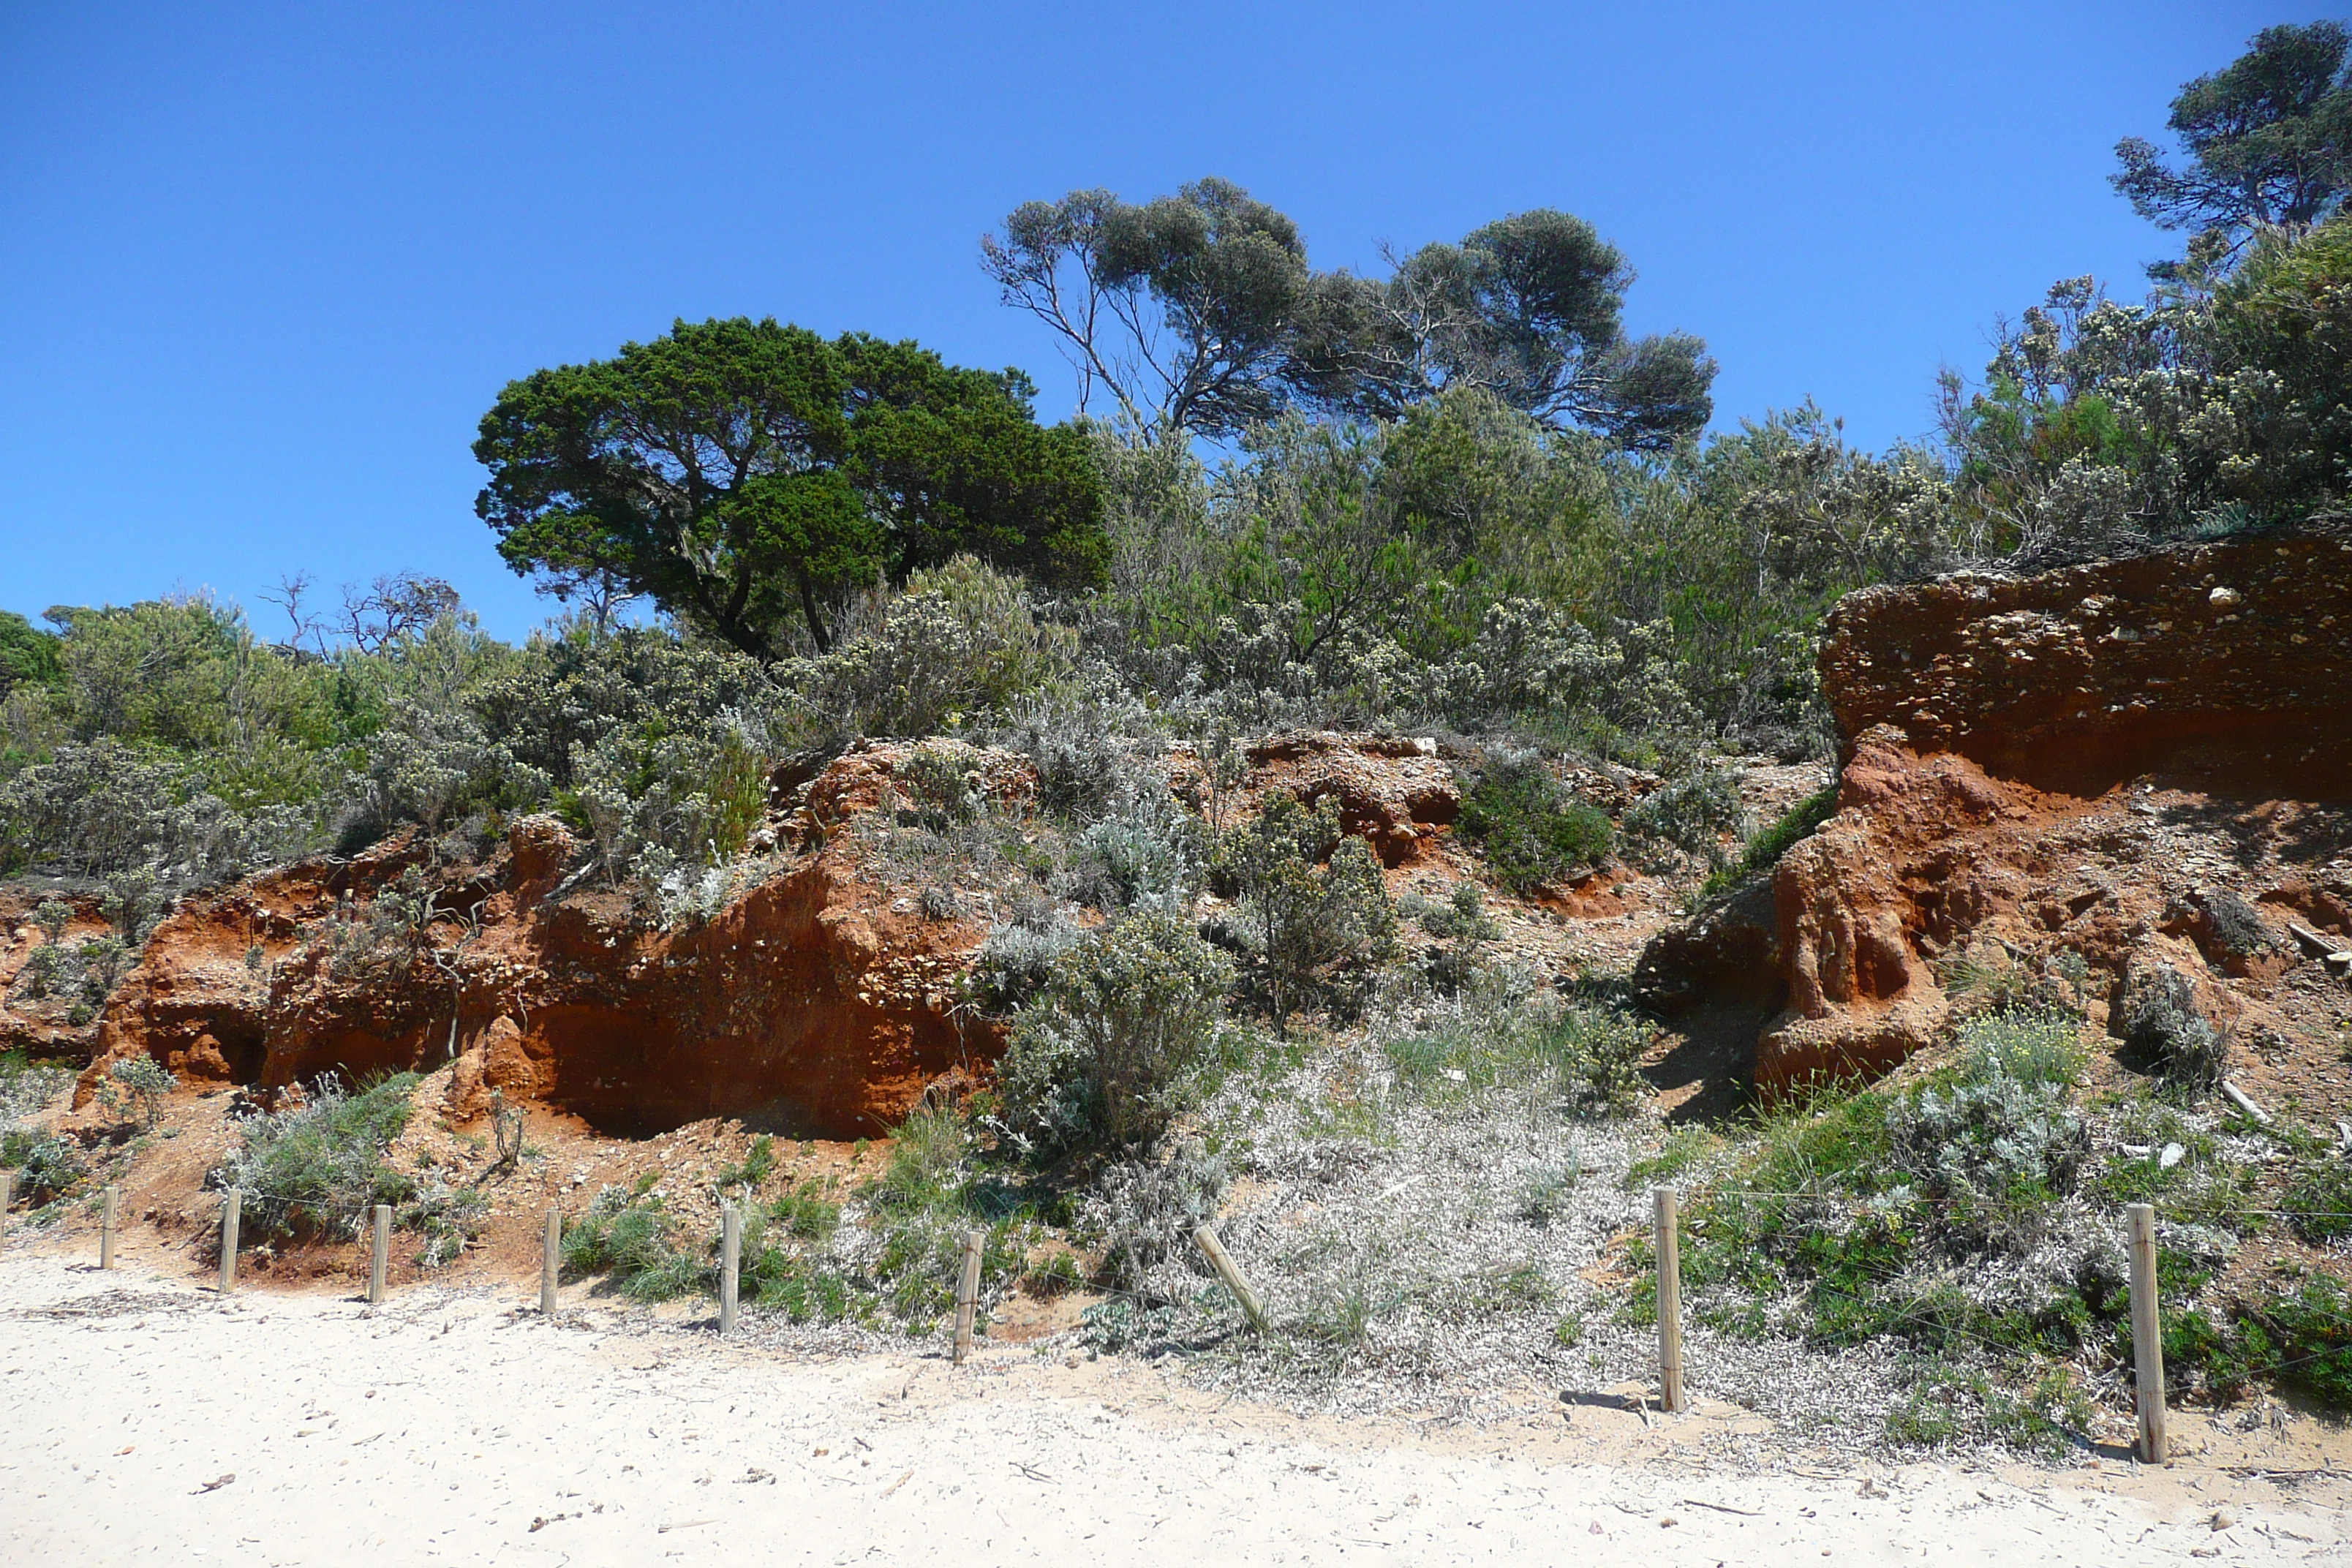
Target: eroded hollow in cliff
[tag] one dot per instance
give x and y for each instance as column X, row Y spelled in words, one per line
column 830, row 1072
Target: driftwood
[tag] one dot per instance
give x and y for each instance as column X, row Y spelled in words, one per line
column 2237, row 1097
column 2319, row 944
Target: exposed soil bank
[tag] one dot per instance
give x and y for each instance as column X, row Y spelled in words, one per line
column 2117, row 767
column 2219, row 667
column 815, row 1001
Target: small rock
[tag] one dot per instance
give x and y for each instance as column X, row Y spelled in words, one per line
column 2225, row 598
column 2173, row 1154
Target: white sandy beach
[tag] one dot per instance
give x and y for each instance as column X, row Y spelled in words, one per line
column 148, row 1422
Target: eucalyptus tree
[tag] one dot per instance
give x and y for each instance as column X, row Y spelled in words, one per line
column 1200, row 314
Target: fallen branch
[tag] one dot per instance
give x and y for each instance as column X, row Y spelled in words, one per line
column 2237, row 1097
column 2315, row 945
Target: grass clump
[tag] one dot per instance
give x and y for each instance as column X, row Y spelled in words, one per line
column 1685, row 1149
column 757, row 1164
column 1530, row 830
column 930, row 1195
column 629, row 1235
column 1584, row 1057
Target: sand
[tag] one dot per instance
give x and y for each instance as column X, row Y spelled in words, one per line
column 147, row 1421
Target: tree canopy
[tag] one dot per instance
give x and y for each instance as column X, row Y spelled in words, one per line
column 2268, row 141
column 1529, row 309
column 28, row 654
column 746, row 475
column 1182, row 309
column 1199, row 312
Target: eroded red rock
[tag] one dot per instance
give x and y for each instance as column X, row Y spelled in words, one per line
column 2083, row 765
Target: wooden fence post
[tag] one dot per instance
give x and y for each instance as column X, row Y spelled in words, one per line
column 731, row 1263
column 1228, row 1271
column 551, row 1259
column 106, row 1229
column 968, row 1291
column 379, row 1255
column 1670, row 1303
column 7, row 1193
column 231, row 1207
column 2147, row 1334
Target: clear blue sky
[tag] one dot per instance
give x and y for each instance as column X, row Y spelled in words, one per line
column 263, row 267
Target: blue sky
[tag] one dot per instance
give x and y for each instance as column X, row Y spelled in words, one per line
column 262, row 269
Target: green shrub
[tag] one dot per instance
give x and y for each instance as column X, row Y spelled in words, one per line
column 1692, row 814
column 318, row 1167
column 2320, row 1200
column 26, row 1085
column 2159, row 1019
column 1991, row 1148
column 1464, row 928
column 136, row 1084
column 962, row 641
column 2311, row 1331
column 2046, row 1415
column 1016, row 961
column 804, row 1290
column 2039, row 1049
column 1141, row 1211
column 941, row 786
column 1597, row 1054
column 1105, row 1058
column 1307, row 932
column 46, row 1166
column 1528, row 828
column 1145, row 851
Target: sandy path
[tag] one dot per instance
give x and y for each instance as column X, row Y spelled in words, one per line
column 454, row 1429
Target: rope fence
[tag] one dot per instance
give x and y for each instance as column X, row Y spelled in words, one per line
column 1668, row 1222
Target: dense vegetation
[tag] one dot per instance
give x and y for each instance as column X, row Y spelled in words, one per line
column 1457, row 499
